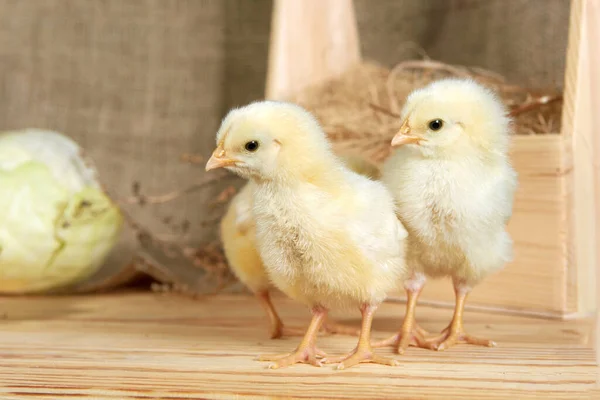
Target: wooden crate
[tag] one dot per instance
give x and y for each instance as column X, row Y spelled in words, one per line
column 557, row 211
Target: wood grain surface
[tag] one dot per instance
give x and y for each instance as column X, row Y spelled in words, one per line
column 144, row 345
column 300, row 56
column 582, row 152
column 582, row 136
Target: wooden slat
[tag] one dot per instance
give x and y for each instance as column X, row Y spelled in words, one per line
column 311, row 41
column 581, row 122
column 125, row 346
column 535, row 281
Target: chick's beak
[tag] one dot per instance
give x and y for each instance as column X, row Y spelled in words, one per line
column 219, row 160
column 404, row 137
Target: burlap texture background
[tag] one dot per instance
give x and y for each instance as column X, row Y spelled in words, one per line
column 139, row 82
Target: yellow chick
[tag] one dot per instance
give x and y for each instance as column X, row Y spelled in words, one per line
column 328, row 236
column 239, row 244
column 454, row 185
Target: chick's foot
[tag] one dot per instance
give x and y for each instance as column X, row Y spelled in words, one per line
column 411, row 336
column 455, row 333
column 363, row 353
column 453, row 336
column 360, row 355
column 303, row 355
column 307, row 352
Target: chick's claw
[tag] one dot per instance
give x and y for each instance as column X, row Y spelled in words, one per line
column 402, row 340
column 454, row 333
column 417, row 338
column 360, row 356
column 410, row 335
column 452, row 338
column 307, row 355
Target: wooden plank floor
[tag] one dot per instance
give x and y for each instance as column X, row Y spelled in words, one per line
column 146, row 345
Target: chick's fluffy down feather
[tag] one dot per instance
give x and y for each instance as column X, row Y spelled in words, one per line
column 238, row 230
column 335, row 248
column 455, row 213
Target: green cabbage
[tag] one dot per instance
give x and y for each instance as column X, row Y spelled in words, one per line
column 57, row 226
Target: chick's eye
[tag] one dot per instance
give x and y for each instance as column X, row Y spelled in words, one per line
column 436, row 124
column 251, row 145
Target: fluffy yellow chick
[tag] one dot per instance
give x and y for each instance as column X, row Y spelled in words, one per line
column 453, row 184
column 239, row 243
column 328, row 236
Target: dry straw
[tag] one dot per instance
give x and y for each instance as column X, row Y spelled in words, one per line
column 360, row 110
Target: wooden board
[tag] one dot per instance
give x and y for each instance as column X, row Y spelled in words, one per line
column 144, row 345
column 311, row 41
column 581, row 122
column 535, row 282
column 581, row 129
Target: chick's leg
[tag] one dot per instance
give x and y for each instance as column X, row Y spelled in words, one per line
column 277, row 329
column 363, row 353
column 410, row 333
column 306, row 352
column 455, row 333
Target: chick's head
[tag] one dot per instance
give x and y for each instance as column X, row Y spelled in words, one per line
column 451, row 116
column 268, row 140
